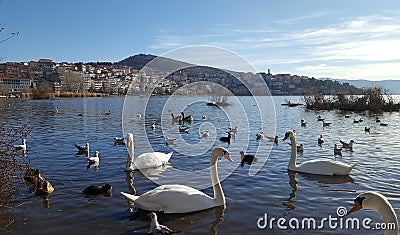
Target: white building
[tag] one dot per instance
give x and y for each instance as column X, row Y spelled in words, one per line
column 14, row 84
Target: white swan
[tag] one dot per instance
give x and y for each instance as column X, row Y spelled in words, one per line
column 145, row 160
column 378, row 202
column 183, row 199
column 317, row 166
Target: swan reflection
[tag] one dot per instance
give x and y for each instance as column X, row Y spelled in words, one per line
column 129, row 182
column 151, row 173
column 322, row 179
column 200, row 220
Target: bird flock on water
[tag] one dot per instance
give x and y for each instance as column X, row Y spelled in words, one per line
column 184, row 199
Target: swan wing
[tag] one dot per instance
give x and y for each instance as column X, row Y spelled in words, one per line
column 325, row 167
column 173, row 199
column 150, row 160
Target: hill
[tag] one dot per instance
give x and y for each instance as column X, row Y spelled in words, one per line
column 137, row 61
column 390, row 86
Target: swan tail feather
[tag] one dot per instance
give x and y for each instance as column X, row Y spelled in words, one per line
column 131, row 198
column 169, row 156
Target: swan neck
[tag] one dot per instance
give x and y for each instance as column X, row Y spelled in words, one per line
column 131, row 151
column 293, row 155
column 219, row 196
column 388, row 216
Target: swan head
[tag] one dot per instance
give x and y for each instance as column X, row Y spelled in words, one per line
column 221, row 152
column 288, row 134
column 368, row 200
column 129, row 137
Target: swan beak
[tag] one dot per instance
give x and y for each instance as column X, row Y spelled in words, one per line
column 356, row 207
column 228, row 157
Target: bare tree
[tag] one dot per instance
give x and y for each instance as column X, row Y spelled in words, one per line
column 71, row 81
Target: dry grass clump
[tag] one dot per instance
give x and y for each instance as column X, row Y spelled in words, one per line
column 372, row 99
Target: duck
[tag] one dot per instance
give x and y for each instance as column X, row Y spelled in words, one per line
column 176, row 119
column 43, row 187
column 95, row 158
column 320, row 118
column 205, row 134
column 299, row 148
column 33, row 175
column 153, row 126
column 156, row 228
column 273, row 139
column 260, row 135
column 326, row 123
column 316, row 166
column 303, row 122
column 204, row 117
column 246, row 158
column 183, row 129
column 98, row 189
column 180, row 198
column 233, row 130
column 226, row 139
column 169, row 141
column 108, row 112
column 145, row 160
column 186, row 118
column 367, row 129
column 82, row 149
column 21, row 146
column 119, row 141
column 320, row 140
column 383, row 124
column 377, row 119
column 377, row 202
column 347, row 145
column 337, row 151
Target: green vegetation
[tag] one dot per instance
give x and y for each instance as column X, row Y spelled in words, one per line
column 372, row 99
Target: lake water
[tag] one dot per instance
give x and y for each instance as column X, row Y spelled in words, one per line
column 266, row 187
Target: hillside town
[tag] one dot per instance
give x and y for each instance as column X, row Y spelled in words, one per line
column 116, row 79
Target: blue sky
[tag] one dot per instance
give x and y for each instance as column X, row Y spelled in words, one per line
column 340, row 39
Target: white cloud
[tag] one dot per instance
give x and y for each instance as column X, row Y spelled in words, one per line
column 357, row 47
